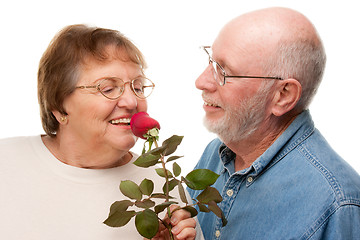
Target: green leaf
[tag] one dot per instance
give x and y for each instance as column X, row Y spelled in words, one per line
column 176, row 169
column 147, row 223
column 203, row 208
column 215, row 209
column 170, row 145
column 224, row 220
column 199, row 179
column 161, row 207
column 119, row 218
column 158, row 195
column 130, row 189
column 120, row 206
column 209, row 194
column 172, row 184
column 146, row 203
column 147, row 160
column 185, row 181
column 182, row 193
column 147, row 187
column 157, row 151
column 161, row 172
column 172, row 158
column 191, row 210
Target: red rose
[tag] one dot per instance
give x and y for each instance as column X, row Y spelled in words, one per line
column 141, row 123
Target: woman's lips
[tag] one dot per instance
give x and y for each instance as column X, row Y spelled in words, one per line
column 120, row 121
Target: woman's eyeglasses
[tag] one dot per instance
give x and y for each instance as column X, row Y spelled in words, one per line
column 113, row 87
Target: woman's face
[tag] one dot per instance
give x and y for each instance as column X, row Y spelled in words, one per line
column 96, row 123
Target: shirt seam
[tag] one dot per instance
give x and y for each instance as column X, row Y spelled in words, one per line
column 327, row 174
column 333, row 208
column 293, row 146
column 285, row 152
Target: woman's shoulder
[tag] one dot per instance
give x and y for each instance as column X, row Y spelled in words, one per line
column 18, row 143
column 6, row 142
column 17, row 140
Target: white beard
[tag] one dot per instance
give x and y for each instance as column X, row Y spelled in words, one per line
column 242, row 121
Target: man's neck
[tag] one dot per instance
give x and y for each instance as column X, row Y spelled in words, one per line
column 249, row 149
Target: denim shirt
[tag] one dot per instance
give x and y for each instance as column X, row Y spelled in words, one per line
column 299, row 188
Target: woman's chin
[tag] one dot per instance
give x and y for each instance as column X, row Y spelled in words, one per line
column 124, row 141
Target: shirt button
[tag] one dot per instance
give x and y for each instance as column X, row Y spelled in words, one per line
column 217, row 233
column 230, row 192
column 250, row 179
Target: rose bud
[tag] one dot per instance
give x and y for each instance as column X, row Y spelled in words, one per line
column 141, row 123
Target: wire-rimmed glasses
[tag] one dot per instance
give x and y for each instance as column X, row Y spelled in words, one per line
column 113, row 87
column 220, row 74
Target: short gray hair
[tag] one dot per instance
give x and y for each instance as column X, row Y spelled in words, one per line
column 303, row 60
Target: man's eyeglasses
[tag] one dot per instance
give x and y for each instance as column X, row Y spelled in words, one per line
column 220, row 74
column 113, row 88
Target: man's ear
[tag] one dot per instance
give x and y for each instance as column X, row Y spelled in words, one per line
column 286, row 96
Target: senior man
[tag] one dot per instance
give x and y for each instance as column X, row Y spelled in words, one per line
column 279, row 178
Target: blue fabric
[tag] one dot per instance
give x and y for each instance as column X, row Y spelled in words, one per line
column 299, row 188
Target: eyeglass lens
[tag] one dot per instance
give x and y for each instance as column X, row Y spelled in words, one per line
column 218, row 72
column 113, row 88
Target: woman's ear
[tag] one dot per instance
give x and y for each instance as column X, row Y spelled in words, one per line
column 61, row 118
column 286, row 96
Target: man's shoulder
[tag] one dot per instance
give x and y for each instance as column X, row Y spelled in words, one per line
column 340, row 178
column 332, row 186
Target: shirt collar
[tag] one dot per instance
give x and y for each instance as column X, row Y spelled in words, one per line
column 300, row 129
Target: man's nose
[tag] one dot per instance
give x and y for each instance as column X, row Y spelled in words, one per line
column 206, row 80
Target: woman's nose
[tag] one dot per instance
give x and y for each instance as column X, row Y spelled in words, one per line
column 128, row 99
column 206, row 80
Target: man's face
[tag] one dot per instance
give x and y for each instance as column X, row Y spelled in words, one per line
column 234, row 111
column 240, row 116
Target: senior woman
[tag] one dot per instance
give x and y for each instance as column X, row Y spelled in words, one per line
column 61, row 185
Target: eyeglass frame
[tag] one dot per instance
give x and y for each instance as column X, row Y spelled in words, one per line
column 222, row 83
column 97, row 87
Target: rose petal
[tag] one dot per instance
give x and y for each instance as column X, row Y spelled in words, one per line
column 141, row 123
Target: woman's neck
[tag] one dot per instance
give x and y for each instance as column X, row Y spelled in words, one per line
column 74, row 154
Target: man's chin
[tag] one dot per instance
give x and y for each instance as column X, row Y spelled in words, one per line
column 226, row 131
column 214, row 126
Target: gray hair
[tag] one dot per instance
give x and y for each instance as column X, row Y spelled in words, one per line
column 303, row 60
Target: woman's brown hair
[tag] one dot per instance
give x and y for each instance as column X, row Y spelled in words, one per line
column 60, row 65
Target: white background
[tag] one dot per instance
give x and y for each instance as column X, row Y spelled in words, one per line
column 169, row 34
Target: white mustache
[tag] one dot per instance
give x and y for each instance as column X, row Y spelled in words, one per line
column 210, row 101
